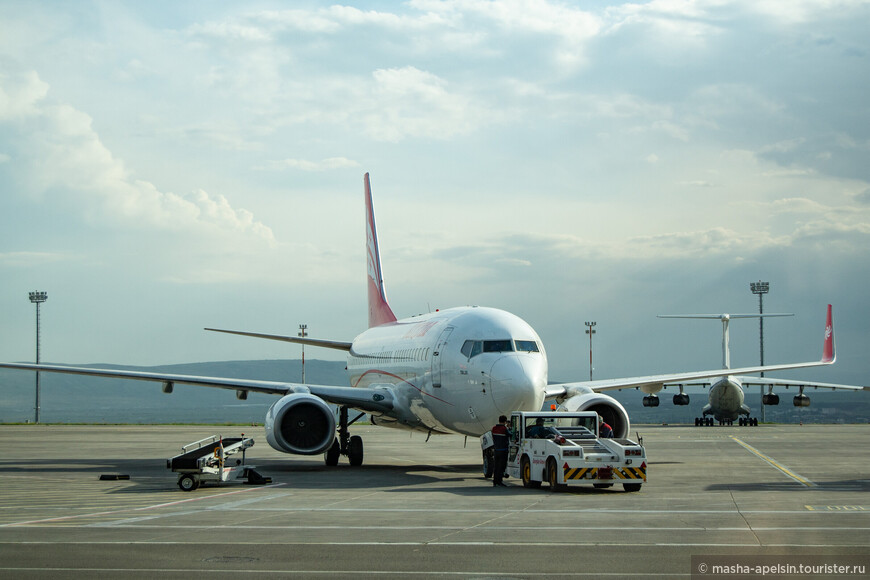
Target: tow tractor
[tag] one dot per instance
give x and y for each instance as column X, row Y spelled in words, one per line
column 206, row 461
column 563, row 448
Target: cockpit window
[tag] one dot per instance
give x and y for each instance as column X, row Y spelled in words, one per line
column 498, row 345
column 472, row 348
column 527, row 346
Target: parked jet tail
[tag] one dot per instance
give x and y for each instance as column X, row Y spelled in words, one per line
column 829, row 354
column 379, row 310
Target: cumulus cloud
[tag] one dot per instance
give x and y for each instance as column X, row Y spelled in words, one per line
column 62, row 155
column 306, row 165
column 411, row 102
column 20, row 95
column 30, row 259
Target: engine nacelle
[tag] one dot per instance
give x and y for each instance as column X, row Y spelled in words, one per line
column 770, row 399
column 801, row 400
column 612, row 410
column 300, row 423
column 651, row 401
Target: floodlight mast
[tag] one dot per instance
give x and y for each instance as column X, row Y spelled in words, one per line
column 37, row 298
column 303, row 334
column 760, row 288
column 590, row 330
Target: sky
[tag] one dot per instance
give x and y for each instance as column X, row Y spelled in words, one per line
column 170, row 166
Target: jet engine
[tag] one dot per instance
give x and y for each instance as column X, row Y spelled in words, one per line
column 801, row 400
column 615, row 415
column 770, row 399
column 681, row 399
column 300, row 423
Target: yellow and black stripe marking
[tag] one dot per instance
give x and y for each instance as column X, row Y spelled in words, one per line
column 615, row 473
column 630, row 473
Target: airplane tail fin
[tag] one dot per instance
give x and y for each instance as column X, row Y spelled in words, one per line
column 379, row 310
column 829, row 354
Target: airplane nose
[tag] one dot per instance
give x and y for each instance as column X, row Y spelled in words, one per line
column 517, row 384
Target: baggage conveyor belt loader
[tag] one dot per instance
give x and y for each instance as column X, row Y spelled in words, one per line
column 207, row 460
column 563, row 448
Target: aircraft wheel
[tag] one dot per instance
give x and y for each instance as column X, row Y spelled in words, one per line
column 332, row 455
column 488, row 463
column 526, row 471
column 355, row 450
column 631, row 486
column 553, row 475
column 188, row 482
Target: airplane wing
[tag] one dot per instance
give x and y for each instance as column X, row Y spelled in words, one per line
column 338, row 345
column 828, row 357
column 370, row 400
column 697, row 377
column 769, row 381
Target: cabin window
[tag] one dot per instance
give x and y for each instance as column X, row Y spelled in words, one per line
column 527, row 346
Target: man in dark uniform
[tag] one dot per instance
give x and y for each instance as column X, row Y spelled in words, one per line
column 604, row 430
column 501, row 441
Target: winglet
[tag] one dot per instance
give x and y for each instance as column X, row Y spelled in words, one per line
column 379, row 310
column 829, row 354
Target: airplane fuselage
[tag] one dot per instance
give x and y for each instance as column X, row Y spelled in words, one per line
column 454, row 370
column 726, row 400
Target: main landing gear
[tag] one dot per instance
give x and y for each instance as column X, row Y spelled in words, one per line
column 344, row 444
column 742, row 421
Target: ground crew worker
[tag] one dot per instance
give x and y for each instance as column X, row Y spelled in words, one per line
column 605, row 431
column 501, row 441
column 539, row 431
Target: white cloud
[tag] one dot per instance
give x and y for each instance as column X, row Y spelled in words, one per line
column 30, row 259
column 65, row 156
column 408, row 102
column 305, row 165
column 20, row 95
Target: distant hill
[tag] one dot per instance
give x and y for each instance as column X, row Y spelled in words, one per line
column 826, row 406
column 76, row 399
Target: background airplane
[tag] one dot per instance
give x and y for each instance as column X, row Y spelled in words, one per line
column 448, row 371
column 726, row 398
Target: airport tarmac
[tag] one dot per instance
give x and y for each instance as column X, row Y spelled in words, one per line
column 421, row 509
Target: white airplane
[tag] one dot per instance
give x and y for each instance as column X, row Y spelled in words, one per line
column 449, row 371
column 726, row 399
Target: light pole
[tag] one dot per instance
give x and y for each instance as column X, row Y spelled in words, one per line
column 303, row 334
column 760, row 288
column 37, row 298
column 590, row 330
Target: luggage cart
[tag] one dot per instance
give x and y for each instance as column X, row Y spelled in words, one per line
column 206, row 460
